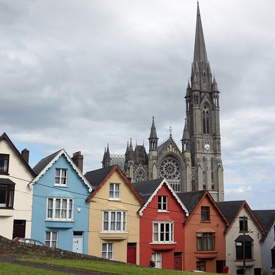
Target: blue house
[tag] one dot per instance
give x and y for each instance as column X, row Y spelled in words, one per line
column 60, row 214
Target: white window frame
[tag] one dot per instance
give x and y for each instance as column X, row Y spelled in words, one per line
column 157, row 259
column 114, row 191
column 114, row 221
column 108, row 251
column 51, row 242
column 60, row 209
column 162, row 203
column 59, row 178
column 160, row 231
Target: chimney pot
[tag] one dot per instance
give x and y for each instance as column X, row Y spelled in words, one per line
column 78, row 160
column 25, row 154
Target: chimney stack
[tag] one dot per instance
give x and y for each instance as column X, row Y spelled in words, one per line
column 78, row 160
column 25, row 154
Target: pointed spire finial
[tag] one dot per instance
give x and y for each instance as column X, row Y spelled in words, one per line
column 153, row 133
column 200, row 48
column 170, row 131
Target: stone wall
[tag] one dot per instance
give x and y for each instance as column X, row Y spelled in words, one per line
column 8, row 247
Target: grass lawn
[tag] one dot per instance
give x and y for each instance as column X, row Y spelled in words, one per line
column 108, row 267
column 10, row 269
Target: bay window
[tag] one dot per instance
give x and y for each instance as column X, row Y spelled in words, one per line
column 163, row 232
column 60, row 209
column 114, row 221
column 205, row 241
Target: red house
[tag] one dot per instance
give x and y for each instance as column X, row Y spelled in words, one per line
column 204, row 233
column 162, row 233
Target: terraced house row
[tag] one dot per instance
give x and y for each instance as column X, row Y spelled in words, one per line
column 102, row 214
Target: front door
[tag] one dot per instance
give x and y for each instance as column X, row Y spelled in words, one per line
column 219, row 265
column 131, row 253
column 177, row 261
column 19, row 228
column 78, row 242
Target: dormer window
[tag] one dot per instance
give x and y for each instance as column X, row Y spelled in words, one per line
column 114, row 193
column 60, row 177
column 243, row 224
column 205, row 213
column 4, row 164
column 162, row 203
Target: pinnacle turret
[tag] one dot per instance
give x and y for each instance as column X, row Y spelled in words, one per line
column 153, row 139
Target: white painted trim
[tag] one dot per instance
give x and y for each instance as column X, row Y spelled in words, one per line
column 156, row 191
column 62, row 152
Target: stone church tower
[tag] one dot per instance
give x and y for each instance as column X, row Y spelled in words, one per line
column 198, row 165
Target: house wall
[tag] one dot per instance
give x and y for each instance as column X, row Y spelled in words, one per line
column 233, row 234
column 150, row 214
column 267, row 245
column 75, row 189
column 193, row 226
column 21, row 176
column 128, row 202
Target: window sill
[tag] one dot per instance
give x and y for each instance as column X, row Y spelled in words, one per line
column 114, row 199
column 163, row 211
column 163, row 246
column 205, row 221
column 207, row 254
column 116, row 236
column 4, row 173
column 61, row 185
column 248, row 262
column 59, row 224
column 6, row 212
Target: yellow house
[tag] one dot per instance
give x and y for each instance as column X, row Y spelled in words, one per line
column 113, row 217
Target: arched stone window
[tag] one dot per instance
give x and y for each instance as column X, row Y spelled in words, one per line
column 204, row 173
column 206, row 120
column 212, row 173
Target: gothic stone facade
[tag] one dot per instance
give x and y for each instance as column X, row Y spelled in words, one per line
column 198, row 165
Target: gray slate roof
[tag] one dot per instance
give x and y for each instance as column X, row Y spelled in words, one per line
column 230, row 209
column 266, row 218
column 44, row 162
column 96, row 177
column 146, row 188
column 191, row 199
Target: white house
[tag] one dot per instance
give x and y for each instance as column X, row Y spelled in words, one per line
column 15, row 193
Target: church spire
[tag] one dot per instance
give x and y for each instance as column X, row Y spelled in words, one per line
column 200, row 49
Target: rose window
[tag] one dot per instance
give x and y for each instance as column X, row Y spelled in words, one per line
column 170, row 170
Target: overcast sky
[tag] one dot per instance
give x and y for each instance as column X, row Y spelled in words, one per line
column 80, row 74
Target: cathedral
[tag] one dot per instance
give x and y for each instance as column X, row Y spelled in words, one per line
column 198, row 164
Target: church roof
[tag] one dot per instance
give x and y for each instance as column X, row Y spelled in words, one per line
column 140, row 155
column 166, row 143
column 200, row 54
